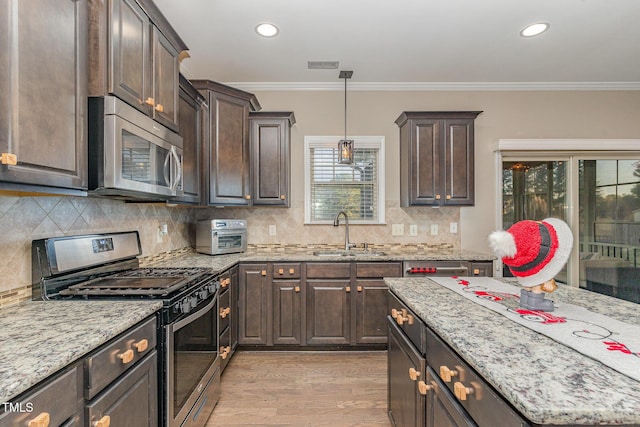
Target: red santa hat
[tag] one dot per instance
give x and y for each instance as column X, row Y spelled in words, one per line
column 534, row 251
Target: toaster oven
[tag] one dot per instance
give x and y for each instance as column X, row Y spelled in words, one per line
column 221, row 236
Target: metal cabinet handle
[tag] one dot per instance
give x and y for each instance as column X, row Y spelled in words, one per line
column 291, row 271
column 225, row 282
column 224, row 351
column 149, row 101
column 359, row 288
column 437, row 197
column 348, row 289
column 248, row 196
column 282, row 197
column 281, row 271
column 42, row 420
column 263, row 272
column 448, row 196
column 103, row 422
column 423, row 387
column 224, row 312
column 126, row 357
column 462, row 391
column 297, row 288
column 141, row 345
column 159, row 108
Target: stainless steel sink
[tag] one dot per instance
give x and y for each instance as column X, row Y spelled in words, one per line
column 331, row 253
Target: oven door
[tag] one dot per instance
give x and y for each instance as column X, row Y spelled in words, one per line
column 229, row 241
column 192, row 363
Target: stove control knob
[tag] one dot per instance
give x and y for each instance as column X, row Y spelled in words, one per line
column 194, row 300
column 203, row 293
column 185, row 306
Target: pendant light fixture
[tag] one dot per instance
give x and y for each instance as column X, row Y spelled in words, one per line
column 345, row 146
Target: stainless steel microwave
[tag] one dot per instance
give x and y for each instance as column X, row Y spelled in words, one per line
column 130, row 154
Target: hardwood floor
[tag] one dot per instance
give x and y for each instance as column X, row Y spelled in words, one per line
column 303, row 389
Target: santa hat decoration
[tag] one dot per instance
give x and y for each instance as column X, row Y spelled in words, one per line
column 534, row 251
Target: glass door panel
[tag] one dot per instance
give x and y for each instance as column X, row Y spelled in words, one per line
column 609, row 227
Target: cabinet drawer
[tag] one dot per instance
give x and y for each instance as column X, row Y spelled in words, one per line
column 225, row 281
column 410, row 324
column 286, row 271
column 378, row 269
column 482, row 403
column 107, row 364
column 224, row 310
column 329, row 270
column 56, row 400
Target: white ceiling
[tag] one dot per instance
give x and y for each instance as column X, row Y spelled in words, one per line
column 593, row 44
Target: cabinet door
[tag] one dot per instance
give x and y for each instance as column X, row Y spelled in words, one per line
column 328, row 312
column 270, row 161
column 371, row 311
column 132, row 400
column 425, row 171
column 228, row 162
column 253, row 304
column 458, row 162
column 405, row 403
column 482, row 268
column 190, row 120
column 165, row 81
column 43, row 109
column 442, row 409
column 129, row 55
column 287, row 312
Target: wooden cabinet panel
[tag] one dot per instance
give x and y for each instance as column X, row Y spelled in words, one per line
column 378, row 269
column 270, row 137
column 405, row 404
column 370, row 312
column 442, row 410
column 44, row 110
column 328, row 311
column 437, row 158
column 253, row 304
column 329, row 270
column 192, row 108
column 287, row 312
column 165, row 80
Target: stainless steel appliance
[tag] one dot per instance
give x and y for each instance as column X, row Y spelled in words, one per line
column 221, row 236
column 436, row 268
column 130, row 154
column 105, row 266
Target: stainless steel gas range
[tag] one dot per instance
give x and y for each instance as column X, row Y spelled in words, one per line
column 105, row 266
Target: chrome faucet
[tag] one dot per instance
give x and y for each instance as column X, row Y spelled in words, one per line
column 336, row 222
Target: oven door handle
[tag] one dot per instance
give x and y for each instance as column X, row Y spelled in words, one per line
column 184, row 322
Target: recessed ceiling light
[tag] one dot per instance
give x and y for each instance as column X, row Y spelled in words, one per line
column 534, row 29
column 267, row 30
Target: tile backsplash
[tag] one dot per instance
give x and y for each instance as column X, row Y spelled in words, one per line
column 23, row 219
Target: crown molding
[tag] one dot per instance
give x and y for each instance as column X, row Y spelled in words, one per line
column 437, row 86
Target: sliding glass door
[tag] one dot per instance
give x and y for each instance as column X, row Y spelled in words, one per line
column 598, row 195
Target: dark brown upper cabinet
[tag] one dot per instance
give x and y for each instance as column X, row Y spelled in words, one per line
column 193, row 112
column 133, row 54
column 270, row 136
column 43, row 113
column 226, row 148
column 437, row 158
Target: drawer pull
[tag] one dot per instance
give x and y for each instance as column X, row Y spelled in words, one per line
column 476, row 271
column 225, row 282
column 42, row 420
column 297, row 288
column 8, row 159
column 413, row 374
column 281, row 271
column 224, row 352
column 282, row 197
column 291, row 271
column 348, row 288
column 359, row 288
column 141, row 345
column 394, row 313
column 149, row 101
column 224, row 312
column 461, row 391
column 263, row 272
column 159, row 108
column 423, row 387
column 126, row 357
column 103, row 422
column 446, row 374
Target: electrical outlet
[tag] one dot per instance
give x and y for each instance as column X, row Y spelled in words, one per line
column 413, row 230
column 434, row 229
column 453, row 227
column 272, row 230
column 397, row 230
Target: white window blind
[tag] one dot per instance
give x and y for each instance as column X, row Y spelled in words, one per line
column 331, row 187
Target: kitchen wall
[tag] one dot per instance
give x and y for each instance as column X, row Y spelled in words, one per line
column 506, row 114
column 23, row 219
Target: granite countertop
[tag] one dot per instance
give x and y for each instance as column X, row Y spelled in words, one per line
column 220, row 263
column 546, row 381
column 41, row 337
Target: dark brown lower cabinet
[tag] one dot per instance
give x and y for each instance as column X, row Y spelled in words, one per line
column 328, row 312
column 371, row 299
column 132, row 399
column 406, row 367
column 442, row 409
column 287, row 312
column 253, row 304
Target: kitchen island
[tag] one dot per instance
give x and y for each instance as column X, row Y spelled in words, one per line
column 545, row 381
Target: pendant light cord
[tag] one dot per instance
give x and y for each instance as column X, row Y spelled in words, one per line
column 345, row 108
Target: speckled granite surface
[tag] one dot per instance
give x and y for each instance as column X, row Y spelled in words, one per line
column 39, row 338
column 546, row 381
column 296, row 254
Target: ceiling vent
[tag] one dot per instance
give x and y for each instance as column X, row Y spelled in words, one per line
column 322, row 65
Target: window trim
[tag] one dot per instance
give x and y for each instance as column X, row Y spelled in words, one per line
column 376, row 142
